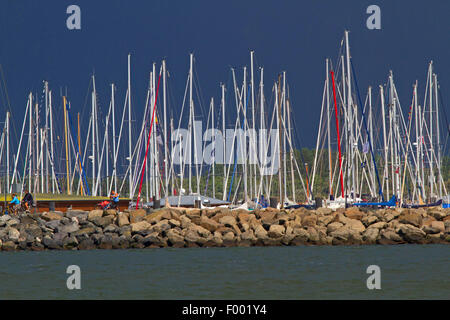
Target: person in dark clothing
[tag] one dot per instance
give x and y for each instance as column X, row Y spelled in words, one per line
column 27, row 200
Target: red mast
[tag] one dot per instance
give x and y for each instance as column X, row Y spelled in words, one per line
column 338, row 135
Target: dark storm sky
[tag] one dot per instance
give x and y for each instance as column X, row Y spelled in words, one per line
column 295, row 36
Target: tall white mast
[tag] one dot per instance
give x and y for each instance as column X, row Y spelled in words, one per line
column 330, row 187
column 245, row 144
column 166, row 145
column 262, row 141
column 284, row 136
column 113, row 136
column 430, row 74
column 350, row 114
column 93, row 135
column 7, row 151
column 214, row 148
column 191, row 121
column 253, row 149
column 224, row 144
column 30, row 142
column 386, row 167
column 438, row 143
column 129, row 126
column 51, row 141
column 46, row 135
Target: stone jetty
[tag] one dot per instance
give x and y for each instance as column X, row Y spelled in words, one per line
column 221, row 227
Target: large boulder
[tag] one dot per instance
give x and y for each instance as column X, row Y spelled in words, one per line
column 4, row 219
column 79, row 214
column 227, row 221
column 86, row 244
column 268, row 218
column 68, row 228
column 369, row 219
column 276, row 231
column 301, row 236
column 95, row 214
column 138, row 215
column 209, row 224
column 324, row 211
column 140, row 226
column 438, row 225
column 248, row 237
column 33, row 230
column 325, row 220
column 9, row 246
column 175, row 239
column 202, row 232
column 260, row 232
column 378, row 225
column 371, row 235
column 411, row 233
column 103, row 221
column 309, row 221
column 355, row 225
column 343, row 233
column 191, row 236
column 84, row 231
column 411, row 217
column 122, row 219
column 354, row 213
column 70, row 242
column 52, row 215
column 13, row 234
column 391, row 236
column 437, row 214
column 334, row 226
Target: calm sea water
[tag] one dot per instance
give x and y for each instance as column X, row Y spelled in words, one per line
column 407, row 272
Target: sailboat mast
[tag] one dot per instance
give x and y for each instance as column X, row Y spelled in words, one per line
column 129, row 126
column 330, row 187
column 113, row 135
column 166, row 145
column 279, row 142
column 67, row 146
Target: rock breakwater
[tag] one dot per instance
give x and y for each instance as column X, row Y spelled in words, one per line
column 221, row 227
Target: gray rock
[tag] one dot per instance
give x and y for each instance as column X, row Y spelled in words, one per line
column 86, row 244
column 111, row 228
column 53, row 224
column 106, row 242
column 70, row 242
column 12, row 222
column 411, row 233
column 371, row 235
column 51, row 243
column 103, row 221
column 13, row 234
column 68, row 228
column 4, row 219
column 34, row 230
column 9, row 246
column 80, row 215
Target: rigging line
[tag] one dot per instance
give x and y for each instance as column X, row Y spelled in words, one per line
column 148, row 140
column 79, row 156
column 445, row 113
column 367, row 131
column 235, row 153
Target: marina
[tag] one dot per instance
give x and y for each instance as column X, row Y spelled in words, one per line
column 241, row 150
